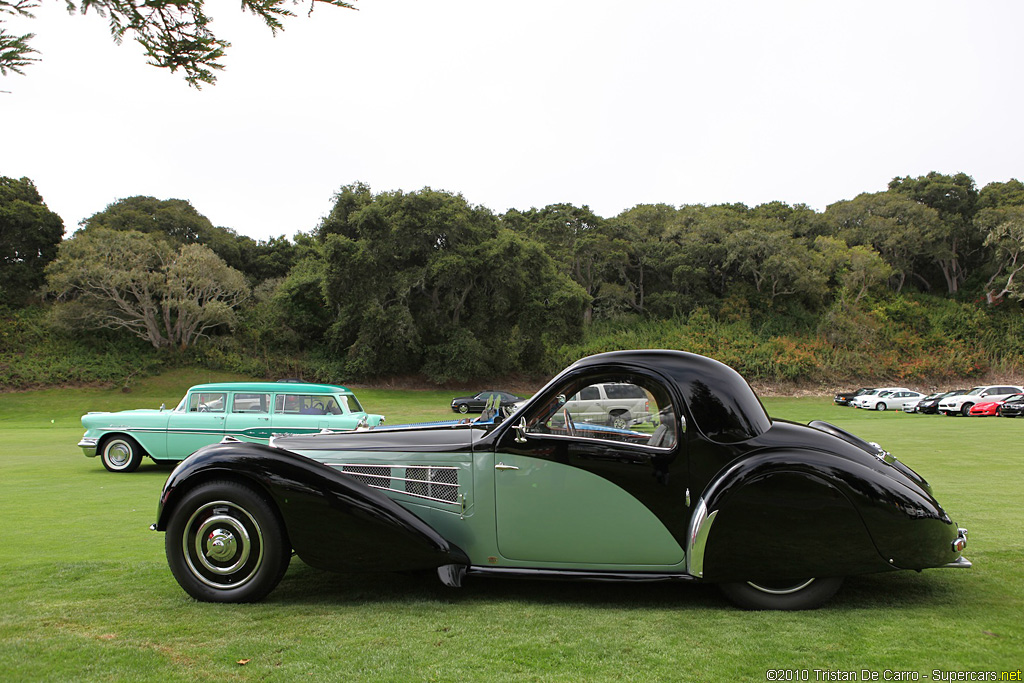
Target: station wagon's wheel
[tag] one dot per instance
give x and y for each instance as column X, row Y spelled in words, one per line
column 794, row 594
column 618, row 419
column 965, row 409
column 225, row 543
column 121, row 454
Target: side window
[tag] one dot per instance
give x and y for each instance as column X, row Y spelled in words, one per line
column 636, row 411
column 207, row 403
column 250, row 403
column 306, row 404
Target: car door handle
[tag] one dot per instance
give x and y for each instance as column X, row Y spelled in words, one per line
column 503, row 466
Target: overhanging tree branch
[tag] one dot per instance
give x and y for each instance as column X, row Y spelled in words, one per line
column 175, row 34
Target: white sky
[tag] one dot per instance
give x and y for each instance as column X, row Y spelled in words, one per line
column 514, row 105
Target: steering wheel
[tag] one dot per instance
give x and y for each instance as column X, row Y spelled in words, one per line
column 570, row 428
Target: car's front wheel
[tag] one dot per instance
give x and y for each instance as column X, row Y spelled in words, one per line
column 965, row 409
column 226, row 543
column 121, row 454
column 880, row 406
column 782, row 595
column 463, row 408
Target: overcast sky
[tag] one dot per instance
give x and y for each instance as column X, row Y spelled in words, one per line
column 515, row 105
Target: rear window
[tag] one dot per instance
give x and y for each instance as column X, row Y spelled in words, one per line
column 624, row 391
column 306, row 404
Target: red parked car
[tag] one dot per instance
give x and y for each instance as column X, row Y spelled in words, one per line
column 986, row 408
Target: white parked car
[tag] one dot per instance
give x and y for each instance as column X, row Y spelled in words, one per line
column 961, row 405
column 894, row 399
column 870, row 400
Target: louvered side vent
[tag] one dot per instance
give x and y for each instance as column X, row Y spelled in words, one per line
column 436, row 483
column 439, row 484
column 378, row 477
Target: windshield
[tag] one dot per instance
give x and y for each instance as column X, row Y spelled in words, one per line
column 975, row 391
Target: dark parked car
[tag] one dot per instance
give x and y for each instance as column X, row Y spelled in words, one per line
column 1013, row 406
column 929, row 405
column 477, row 403
column 844, row 398
column 709, row 489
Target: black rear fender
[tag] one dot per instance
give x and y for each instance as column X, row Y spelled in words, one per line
column 784, row 516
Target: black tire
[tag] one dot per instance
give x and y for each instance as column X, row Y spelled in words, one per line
column 121, row 454
column 880, row 406
column 782, row 595
column 618, row 419
column 463, row 408
column 226, row 543
column 965, row 409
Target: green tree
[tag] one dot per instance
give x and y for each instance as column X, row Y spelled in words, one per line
column 775, row 262
column 899, row 228
column 955, row 199
column 1004, row 228
column 640, row 252
column 29, row 236
column 175, row 34
column 136, row 282
column 854, row 271
column 577, row 239
column 180, row 223
column 424, row 281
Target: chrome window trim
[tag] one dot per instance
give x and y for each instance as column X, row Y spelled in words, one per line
column 588, row 439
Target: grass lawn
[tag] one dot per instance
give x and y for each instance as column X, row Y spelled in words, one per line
column 87, row 594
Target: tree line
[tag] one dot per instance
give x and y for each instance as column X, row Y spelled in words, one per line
column 424, row 282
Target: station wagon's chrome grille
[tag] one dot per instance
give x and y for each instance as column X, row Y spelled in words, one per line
column 440, row 484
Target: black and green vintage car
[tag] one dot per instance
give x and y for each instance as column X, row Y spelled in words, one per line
column 704, row 487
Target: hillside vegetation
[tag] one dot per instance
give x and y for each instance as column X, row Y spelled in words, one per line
column 919, row 284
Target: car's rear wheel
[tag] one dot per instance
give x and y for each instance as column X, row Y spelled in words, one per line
column 965, row 409
column 618, row 419
column 121, row 454
column 880, row 406
column 796, row 594
column 226, row 543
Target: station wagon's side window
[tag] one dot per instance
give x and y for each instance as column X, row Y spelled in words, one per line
column 207, row 402
column 624, row 409
column 306, row 404
column 250, row 403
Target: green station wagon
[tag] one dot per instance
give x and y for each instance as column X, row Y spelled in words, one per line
column 246, row 411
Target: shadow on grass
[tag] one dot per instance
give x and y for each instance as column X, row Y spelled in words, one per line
column 304, row 585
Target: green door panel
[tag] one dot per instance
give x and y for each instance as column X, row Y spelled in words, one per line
column 248, row 427
column 549, row 512
column 188, row 432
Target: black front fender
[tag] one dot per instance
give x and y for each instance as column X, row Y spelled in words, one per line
column 333, row 521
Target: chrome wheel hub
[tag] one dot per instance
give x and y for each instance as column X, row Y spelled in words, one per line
column 118, row 454
column 223, row 545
